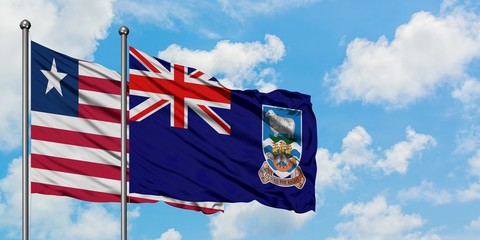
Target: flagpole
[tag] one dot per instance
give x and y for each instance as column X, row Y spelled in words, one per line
column 123, row 31
column 25, row 26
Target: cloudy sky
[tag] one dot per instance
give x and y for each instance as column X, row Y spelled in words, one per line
column 395, row 87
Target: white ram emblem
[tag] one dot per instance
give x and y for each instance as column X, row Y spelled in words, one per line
column 280, row 124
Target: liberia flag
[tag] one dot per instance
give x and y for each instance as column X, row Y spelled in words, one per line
column 195, row 140
column 75, row 131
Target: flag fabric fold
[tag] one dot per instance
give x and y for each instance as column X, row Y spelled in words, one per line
column 195, row 140
column 75, row 131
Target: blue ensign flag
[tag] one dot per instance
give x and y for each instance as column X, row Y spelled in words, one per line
column 195, row 140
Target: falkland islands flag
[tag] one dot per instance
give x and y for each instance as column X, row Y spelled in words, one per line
column 195, row 140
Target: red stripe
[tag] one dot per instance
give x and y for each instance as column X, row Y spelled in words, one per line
column 76, row 138
column 76, row 167
column 83, row 194
column 99, row 113
column 179, row 97
column 215, row 118
column 149, row 110
column 179, row 89
column 144, row 60
column 195, row 208
column 197, row 74
column 99, row 85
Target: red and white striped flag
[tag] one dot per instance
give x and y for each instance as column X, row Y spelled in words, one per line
column 75, row 132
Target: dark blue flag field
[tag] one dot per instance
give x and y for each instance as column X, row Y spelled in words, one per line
column 193, row 139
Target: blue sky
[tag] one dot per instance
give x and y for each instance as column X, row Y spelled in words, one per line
column 395, row 88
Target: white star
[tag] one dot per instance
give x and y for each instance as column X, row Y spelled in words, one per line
column 54, row 77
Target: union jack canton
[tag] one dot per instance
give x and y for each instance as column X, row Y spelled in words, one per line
column 165, row 84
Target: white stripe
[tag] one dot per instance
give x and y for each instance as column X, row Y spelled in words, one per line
column 210, row 120
column 164, row 72
column 192, row 101
column 75, row 181
column 152, row 99
column 149, row 74
column 99, row 99
column 73, row 152
column 211, row 205
column 204, row 79
column 75, row 124
column 96, row 70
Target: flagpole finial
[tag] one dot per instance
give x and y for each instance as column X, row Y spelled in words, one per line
column 123, row 30
column 25, row 24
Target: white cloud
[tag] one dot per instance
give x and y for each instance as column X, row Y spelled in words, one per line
column 377, row 220
column 244, row 9
column 11, row 196
column 357, row 152
column 241, row 220
column 133, row 213
column 196, row 16
column 473, row 226
column 425, row 191
column 468, row 139
column 336, row 168
column 73, row 27
column 470, row 194
column 238, row 63
column 161, row 12
column 468, row 94
column 170, row 234
column 448, row 5
column 90, row 222
column 53, row 217
column 471, row 231
column 474, row 163
column 268, row 80
column 420, row 236
column 398, row 157
column 413, row 65
column 332, row 171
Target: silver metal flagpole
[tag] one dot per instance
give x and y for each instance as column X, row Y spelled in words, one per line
column 123, row 31
column 25, row 26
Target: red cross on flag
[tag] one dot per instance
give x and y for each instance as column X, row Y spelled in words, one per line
column 165, row 84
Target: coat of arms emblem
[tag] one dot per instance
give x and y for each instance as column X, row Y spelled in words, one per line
column 282, row 147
